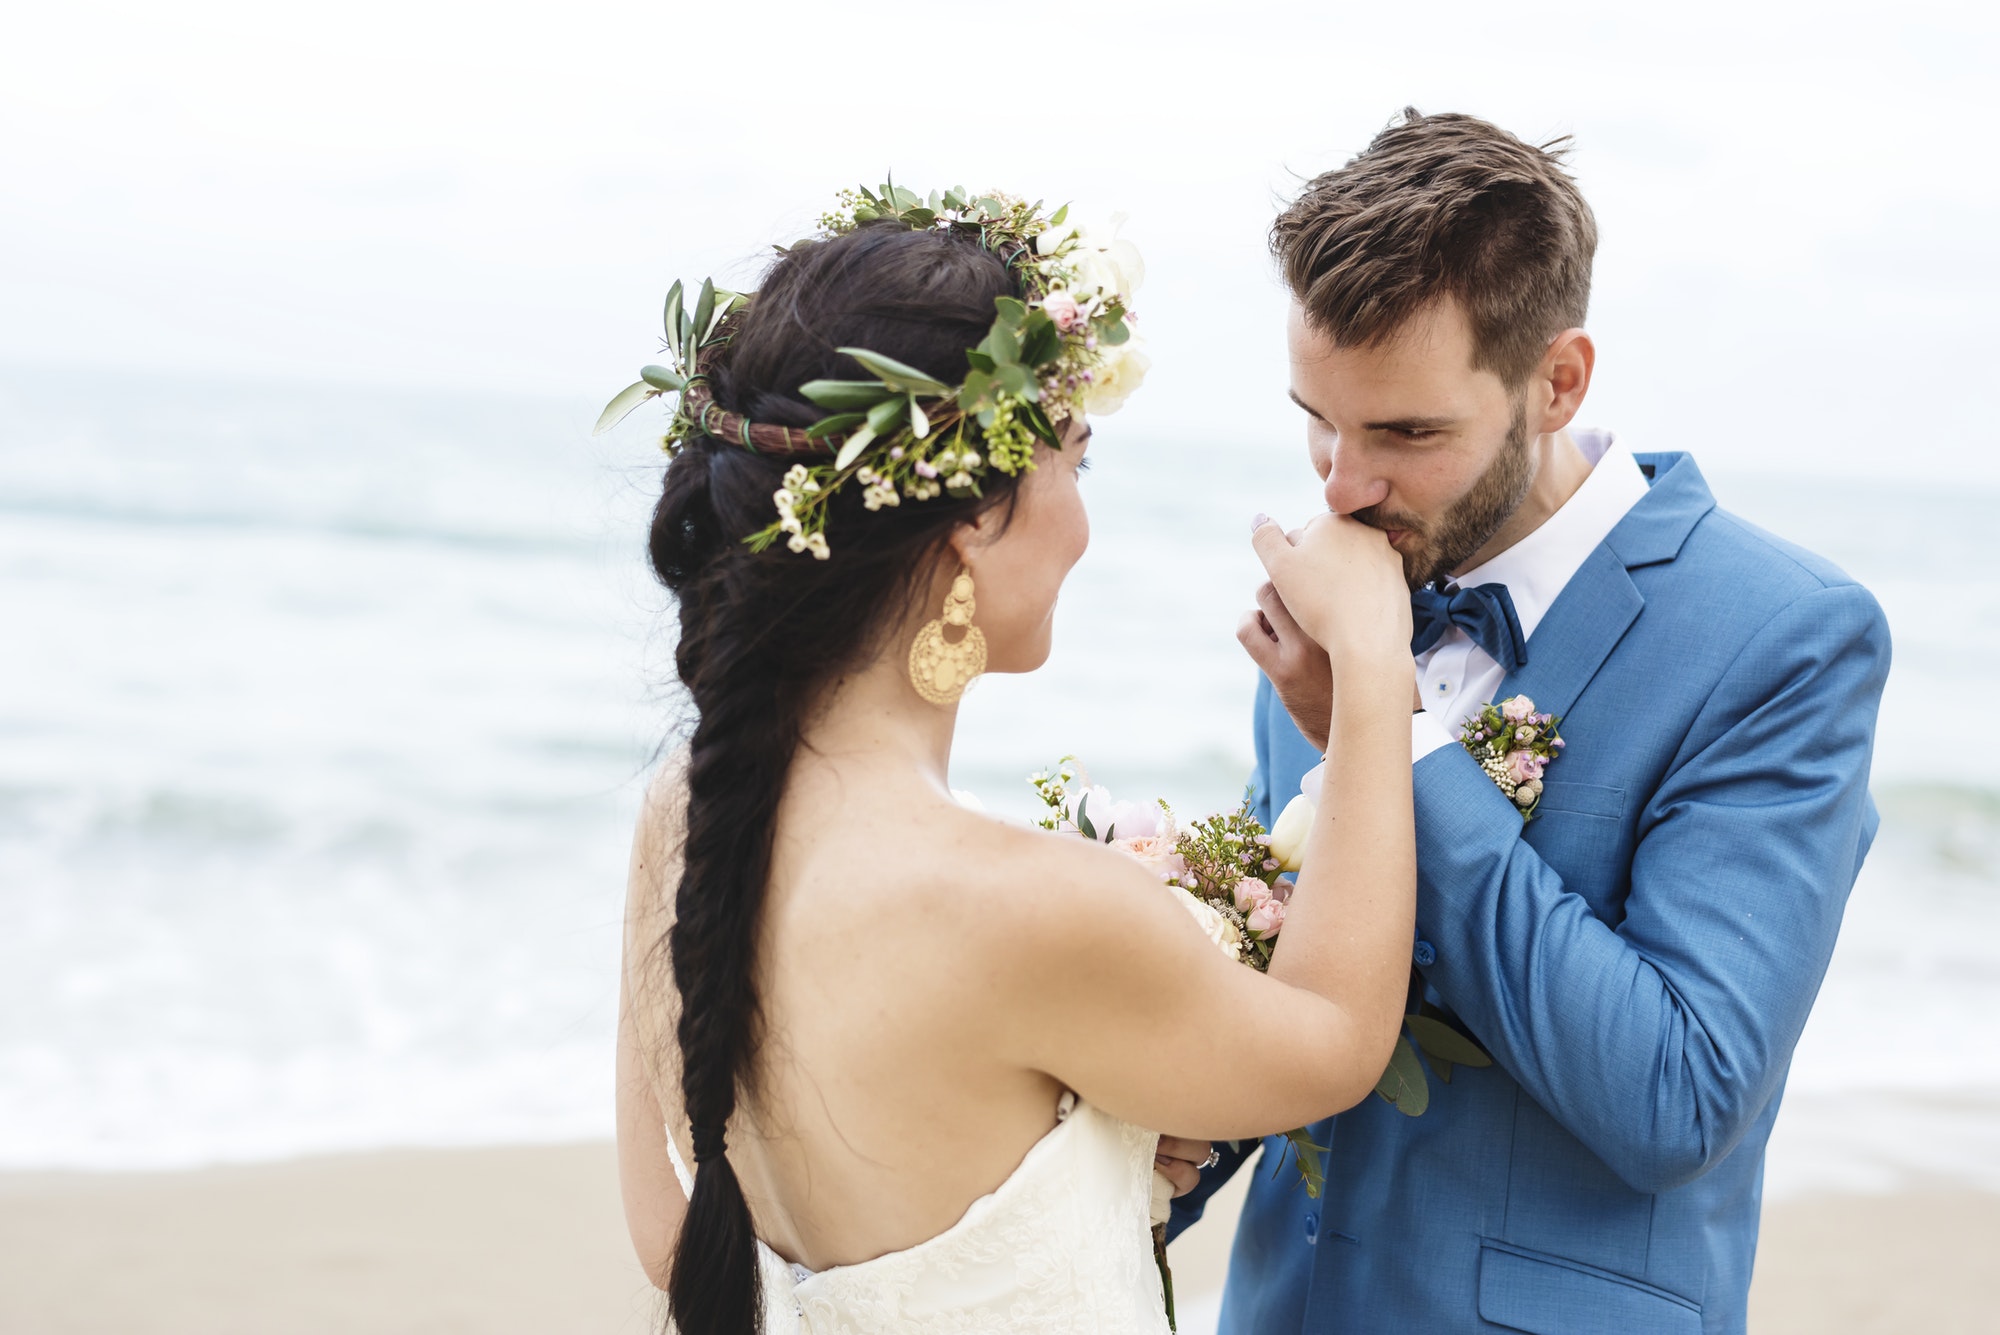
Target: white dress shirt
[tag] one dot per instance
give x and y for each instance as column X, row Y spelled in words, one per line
column 1456, row 676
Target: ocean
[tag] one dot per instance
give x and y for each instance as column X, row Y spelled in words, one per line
column 324, row 714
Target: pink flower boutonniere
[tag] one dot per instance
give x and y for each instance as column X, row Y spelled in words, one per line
column 1514, row 744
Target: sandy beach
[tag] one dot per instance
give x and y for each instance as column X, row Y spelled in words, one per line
column 530, row 1241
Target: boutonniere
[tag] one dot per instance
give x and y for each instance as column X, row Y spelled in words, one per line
column 1514, row 744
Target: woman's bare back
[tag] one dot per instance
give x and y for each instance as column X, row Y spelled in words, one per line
column 885, row 1099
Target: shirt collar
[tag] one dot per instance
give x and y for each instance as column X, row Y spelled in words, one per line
column 1536, row 569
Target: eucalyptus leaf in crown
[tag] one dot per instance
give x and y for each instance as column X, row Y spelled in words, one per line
column 1067, row 348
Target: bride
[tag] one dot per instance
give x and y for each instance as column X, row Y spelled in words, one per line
column 912, row 1052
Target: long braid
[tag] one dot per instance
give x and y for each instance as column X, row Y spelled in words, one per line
column 748, row 729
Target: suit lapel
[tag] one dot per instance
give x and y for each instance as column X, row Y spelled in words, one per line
column 1600, row 602
column 1582, row 627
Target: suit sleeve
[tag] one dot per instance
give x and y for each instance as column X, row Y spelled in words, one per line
column 1658, row 1041
column 1260, row 738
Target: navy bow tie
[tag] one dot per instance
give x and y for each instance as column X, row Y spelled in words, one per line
column 1485, row 613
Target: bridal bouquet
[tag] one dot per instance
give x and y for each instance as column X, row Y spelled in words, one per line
column 1227, row 870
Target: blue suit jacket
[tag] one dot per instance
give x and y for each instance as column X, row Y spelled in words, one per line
column 1639, row 959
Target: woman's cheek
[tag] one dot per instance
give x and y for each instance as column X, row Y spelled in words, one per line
column 1076, row 521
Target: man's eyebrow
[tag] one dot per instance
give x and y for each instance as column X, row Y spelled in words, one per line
column 1412, row 424
column 1395, row 424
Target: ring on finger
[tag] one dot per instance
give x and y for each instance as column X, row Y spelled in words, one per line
column 1214, row 1158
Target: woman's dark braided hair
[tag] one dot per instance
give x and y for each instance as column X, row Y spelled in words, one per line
column 762, row 635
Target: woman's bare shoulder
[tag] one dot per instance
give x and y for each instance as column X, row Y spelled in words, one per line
column 1040, row 882
column 655, row 870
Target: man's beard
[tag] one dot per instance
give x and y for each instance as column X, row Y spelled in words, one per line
column 1473, row 518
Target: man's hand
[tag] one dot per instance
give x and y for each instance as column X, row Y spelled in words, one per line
column 1179, row 1161
column 1299, row 669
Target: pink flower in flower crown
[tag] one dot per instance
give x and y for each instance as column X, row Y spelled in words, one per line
column 1523, row 766
column 1517, row 710
column 1062, row 308
column 1267, row 919
column 1249, row 893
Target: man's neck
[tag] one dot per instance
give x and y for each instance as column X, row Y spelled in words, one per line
column 1560, row 468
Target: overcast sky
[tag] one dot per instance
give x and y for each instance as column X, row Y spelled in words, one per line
column 1798, row 202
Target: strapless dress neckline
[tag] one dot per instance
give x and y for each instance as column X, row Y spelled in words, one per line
column 1063, row 1245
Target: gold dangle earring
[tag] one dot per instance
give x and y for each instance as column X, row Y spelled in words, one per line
column 939, row 669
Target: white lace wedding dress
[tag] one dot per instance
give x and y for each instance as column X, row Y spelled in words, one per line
column 1063, row 1245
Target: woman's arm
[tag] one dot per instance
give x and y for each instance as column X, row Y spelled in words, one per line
column 1142, row 1015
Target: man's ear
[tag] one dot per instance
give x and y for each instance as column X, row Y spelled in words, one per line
column 1564, row 378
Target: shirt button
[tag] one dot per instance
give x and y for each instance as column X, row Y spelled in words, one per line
column 1425, row 954
column 1312, row 1229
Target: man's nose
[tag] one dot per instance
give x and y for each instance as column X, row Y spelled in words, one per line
column 1351, row 485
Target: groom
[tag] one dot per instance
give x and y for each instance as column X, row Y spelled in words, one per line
column 1639, row 959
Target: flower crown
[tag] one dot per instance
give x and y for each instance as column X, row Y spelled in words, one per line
column 1069, row 347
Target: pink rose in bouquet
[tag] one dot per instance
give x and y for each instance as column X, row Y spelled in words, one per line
column 1248, row 893
column 1267, row 918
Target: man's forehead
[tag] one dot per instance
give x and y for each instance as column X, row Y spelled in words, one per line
column 1437, row 336
column 1424, row 371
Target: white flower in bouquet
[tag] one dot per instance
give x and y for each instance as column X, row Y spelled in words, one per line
column 1226, row 935
column 1289, row 831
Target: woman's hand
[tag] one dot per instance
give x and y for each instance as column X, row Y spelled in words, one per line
column 1180, row 1160
column 1342, row 583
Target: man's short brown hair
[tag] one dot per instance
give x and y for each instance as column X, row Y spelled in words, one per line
column 1441, row 206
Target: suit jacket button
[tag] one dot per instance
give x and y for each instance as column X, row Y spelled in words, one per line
column 1312, row 1228
column 1425, row 954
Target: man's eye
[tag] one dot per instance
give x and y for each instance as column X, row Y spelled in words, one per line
column 1415, row 436
column 1083, row 465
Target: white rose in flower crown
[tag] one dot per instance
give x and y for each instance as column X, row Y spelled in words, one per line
column 1050, row 239
column 1099, row 261
column 1127, row 266
column 1122, row 370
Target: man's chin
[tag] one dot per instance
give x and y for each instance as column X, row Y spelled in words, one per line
column 1410, row 545
column 1416, row 558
